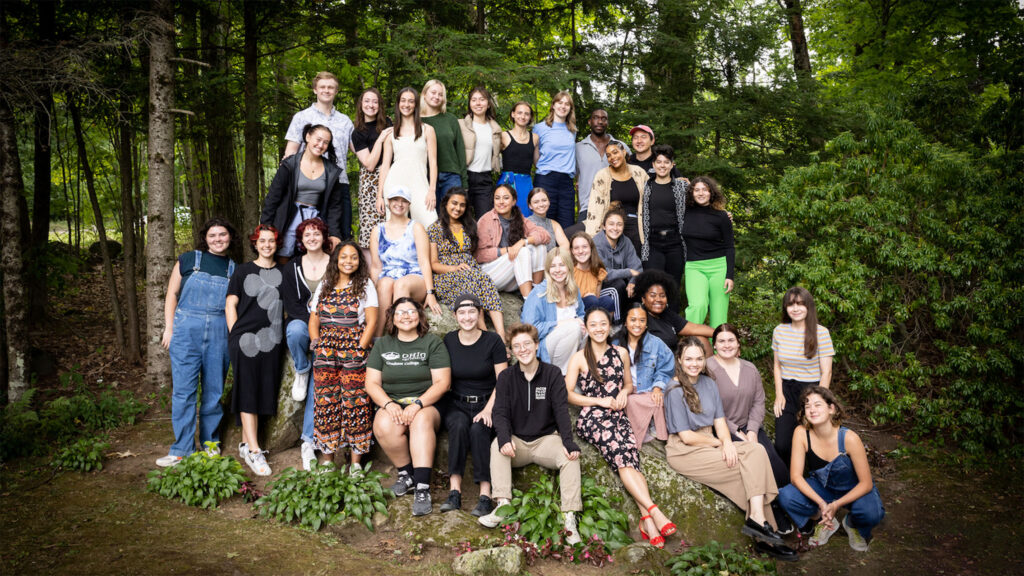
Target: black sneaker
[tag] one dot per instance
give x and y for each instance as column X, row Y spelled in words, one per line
column 421, row 505
column 454, row 501
column 402, row 486
column 783, row 553
column 763, row 533
column 782, row 520
column 484, row 507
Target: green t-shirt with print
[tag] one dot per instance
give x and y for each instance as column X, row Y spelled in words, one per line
column 405, row 366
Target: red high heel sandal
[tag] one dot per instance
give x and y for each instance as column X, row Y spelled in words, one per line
column 668, row 529
column 657, row 541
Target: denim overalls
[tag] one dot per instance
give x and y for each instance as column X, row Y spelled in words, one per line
column 199, row 347
column 831, row 482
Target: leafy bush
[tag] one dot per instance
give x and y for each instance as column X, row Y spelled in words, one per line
column 537, row 514
column 914, row 253
column 322, row 496
column 713, row 560
column 84, row 455
column 20, row 428
column 201, row 479
column 86, row 412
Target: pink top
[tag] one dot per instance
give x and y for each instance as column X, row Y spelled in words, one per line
column 743, row 401
column 488, row 233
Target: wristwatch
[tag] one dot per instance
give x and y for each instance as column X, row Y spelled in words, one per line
column 418, row 402
column 430, row 292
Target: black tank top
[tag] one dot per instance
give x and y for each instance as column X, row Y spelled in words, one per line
column 517, row 157
column 813, row 461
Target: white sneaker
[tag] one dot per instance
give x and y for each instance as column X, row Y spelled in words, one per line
column 573, row 537
column 257, row 462
column 493, row 519
column 213, row 451
column 307, row 454
column 243, row 451
column 299, row 386
column 168, row 460
column 822, row 533
column 857, row 542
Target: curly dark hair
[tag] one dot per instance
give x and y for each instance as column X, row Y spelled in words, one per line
column 315, row 223
column 333, row 272
column 717, row 200
column 654, row 277
column 467, row 220
column 211, row 223
column 389, row 318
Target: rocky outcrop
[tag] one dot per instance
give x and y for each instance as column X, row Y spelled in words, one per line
column 504, row 561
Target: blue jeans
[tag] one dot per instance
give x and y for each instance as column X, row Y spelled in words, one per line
column 199, row 347
column 297, row 336
column 866, row 512
column 562, row 195
column 445, row 182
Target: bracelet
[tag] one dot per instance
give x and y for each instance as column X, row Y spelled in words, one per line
column 386, row 404
column 430, row 292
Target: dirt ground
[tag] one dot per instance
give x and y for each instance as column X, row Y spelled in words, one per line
column 940, row 519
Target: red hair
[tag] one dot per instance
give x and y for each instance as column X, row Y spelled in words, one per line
column 314, row 223
column 262, row 228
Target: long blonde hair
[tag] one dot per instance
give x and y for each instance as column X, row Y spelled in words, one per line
column 444, row 95
column 572, row 292
column 570, row 120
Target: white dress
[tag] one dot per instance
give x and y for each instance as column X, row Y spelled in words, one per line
column 409, row 169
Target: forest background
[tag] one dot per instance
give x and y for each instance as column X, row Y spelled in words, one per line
column 870, row 150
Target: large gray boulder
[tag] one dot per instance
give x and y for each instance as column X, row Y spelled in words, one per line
column 511, row 308
column 502, row 561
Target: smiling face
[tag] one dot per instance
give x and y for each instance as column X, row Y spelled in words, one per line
column 398, row 206
column 370, row 105
column 655, row 299
column 522, row 115
column 540, row 203
column 701, row 194
column 407, row 103
column 636, row 322
column 598, row 326
column 613, row 227
column 503, row 201
column 524, row 349
column 692, row 360
column 467, row 318
column 558, row 270
column 456, row 207
column 642, row 141
column 218, row 240
column 434, row 96
column 348, row 260
column 407, row 318
column 797, row 310
column 727, row 346
column 478, row 103
column 312, row 239
column 326, row 90
column 562, row 107
column 615, row 156
column 817, row 410
column 317, row 141
column 580, row 250
column 266, row 244
column 663, row 166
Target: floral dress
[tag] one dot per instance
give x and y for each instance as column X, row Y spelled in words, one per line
column 608, row 430
column 343, row 413
column 450, row 285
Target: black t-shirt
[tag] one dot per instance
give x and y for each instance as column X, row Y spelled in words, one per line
column 473, row 366
column 365, row 139
column 663, row 209
column 627, row 194
column 648, row 165
column 666, row 326
column 260, row 307
column 209, row 263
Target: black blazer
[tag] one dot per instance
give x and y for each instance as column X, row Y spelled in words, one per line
column 335, row 205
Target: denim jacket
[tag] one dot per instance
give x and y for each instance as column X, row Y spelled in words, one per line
column 656, row 367
column 544, row 315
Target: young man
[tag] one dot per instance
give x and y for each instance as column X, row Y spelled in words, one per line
column 590, row 157
column 531, row 419
column 325, row 88
column 643, row 139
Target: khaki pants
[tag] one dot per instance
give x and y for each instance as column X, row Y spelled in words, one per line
column 547, row 452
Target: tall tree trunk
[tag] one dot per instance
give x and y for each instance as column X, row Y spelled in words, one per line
column 126, row 137
column 12, row 265
column 42, row 180
column 252, row 130
column 160, row 245
column 481, row 16
column 90, row 184
column 797, row 38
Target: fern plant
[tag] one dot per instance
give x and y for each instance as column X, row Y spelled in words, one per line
column 202, row 479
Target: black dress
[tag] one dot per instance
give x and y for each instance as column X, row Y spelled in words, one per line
column 256, row 339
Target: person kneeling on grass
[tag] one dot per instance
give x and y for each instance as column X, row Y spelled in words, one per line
column 530, row 405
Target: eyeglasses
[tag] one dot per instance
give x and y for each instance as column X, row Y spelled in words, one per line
column 523, row 347
column 399, row 313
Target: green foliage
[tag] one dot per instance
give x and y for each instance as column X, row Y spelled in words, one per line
column 914, row 253
column 713, row 560
column 88, row 412
column 19, row 428
column 323, row 495
column 200, row 479
column 84, row 455
column 537, row 513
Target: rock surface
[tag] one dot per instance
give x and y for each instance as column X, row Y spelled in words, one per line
column 642, row 558
column 503, row 561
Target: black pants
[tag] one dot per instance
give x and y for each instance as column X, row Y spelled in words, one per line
column 666, row 254
column 786, row 424
column 466, row 436
column 481, row 193
column 780, row 468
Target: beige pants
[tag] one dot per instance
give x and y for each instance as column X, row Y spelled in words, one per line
column 546, row 452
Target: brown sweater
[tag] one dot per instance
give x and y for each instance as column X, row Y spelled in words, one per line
column 743, row 401
column 588, row 282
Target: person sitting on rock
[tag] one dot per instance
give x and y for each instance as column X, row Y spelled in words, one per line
column 531, row 419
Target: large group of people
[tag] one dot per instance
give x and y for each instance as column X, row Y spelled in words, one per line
column 595, row 237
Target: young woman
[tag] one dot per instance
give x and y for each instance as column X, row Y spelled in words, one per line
column 412, row 146
column 710, row 253
column 451, row 150
column 621, row 183
column 803, row 358
column 654, row 286
column 407, row 373
column 372, row 128
column 652, row 367
column 400, row 257
column 305, row 186
column 511, row 248
column 539, row 204
column 482, row 137
column 619, row 257
column 700, row 447
column 555, row 308
column 518, row 154
column 556, row 157
column 739, row 386
column 255, row 317
column 302, row 276
column 196, row 335
column 477, row 358
column 341, row 328
column 603, row 374
column 663, row 207
column 835, row 462
column 453, row 240
column 589, row 272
